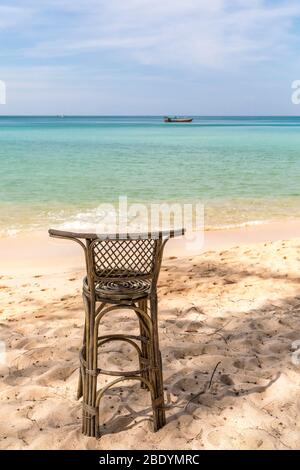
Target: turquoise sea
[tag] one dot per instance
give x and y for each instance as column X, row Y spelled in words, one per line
column 57, row 170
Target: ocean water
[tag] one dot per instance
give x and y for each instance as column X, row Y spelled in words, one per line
column 56, row 171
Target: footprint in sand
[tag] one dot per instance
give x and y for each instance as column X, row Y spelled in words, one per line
column 57, row 373
column 247, row 439
column 239, row 364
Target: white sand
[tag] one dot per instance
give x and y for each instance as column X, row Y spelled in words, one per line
column 239, row 307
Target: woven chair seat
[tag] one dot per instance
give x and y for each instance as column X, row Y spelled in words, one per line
column 123, row 289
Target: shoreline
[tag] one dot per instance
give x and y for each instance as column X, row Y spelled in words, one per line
column 34, row 250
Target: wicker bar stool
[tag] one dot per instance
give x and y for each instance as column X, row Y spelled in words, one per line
column 122, row 272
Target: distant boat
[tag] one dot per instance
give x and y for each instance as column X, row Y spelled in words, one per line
column 177, row 119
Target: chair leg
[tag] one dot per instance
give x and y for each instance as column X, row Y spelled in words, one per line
column 89, row 373
column 144, row 346
column 87, row 386
column 156, row 370
column 81, row 372
column 80, row 385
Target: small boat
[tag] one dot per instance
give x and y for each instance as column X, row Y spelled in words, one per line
column 177, row 119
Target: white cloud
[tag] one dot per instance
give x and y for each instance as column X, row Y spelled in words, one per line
column 175, row 32
column 90, row 55
column 11, row 16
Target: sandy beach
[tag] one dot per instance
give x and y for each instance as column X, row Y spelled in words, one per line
column 233, row 305
column 123, row 118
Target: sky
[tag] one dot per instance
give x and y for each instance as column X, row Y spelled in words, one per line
column 107, row 57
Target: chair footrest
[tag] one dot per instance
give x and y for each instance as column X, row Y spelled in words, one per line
column 121, row 337
column 130, row 373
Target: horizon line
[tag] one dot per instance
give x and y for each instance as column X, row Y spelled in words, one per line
column 150, row 115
